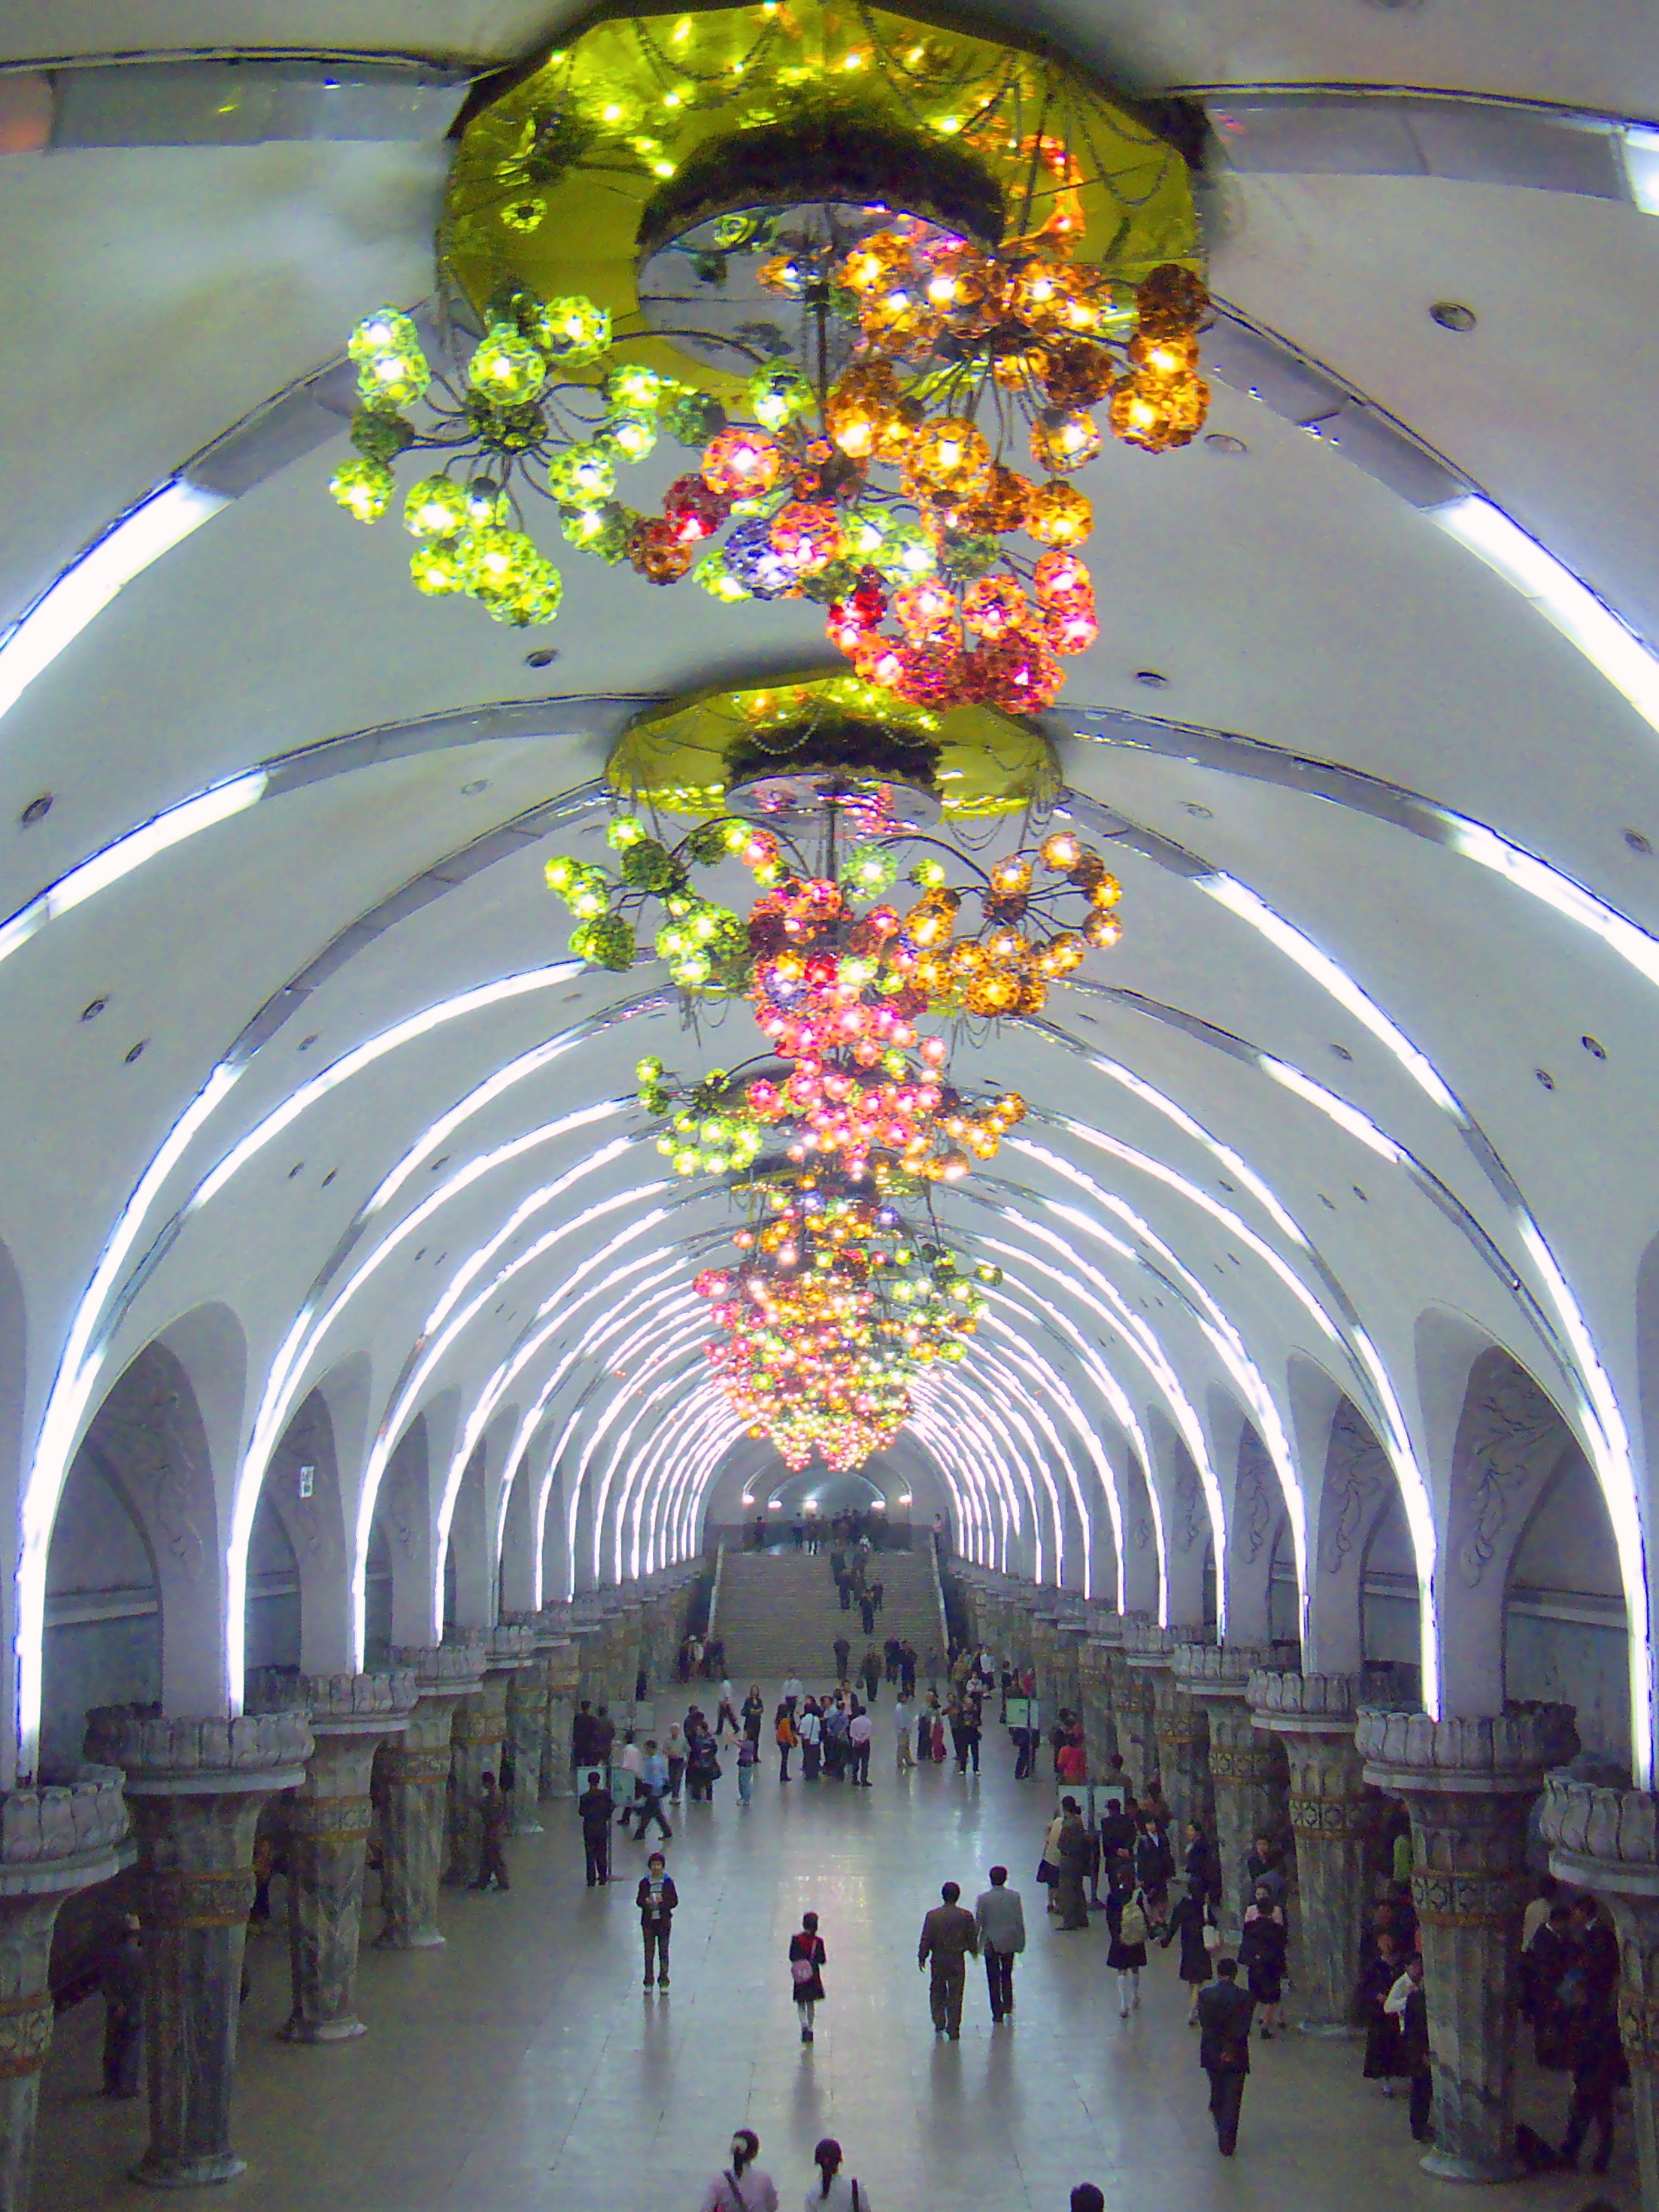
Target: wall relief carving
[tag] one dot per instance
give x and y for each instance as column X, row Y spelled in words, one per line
column 1509, row 1440
column 1357, row 1478
column 147, row 1440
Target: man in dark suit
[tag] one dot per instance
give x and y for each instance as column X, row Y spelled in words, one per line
column 949, row 1936
column 1224, row 2048
column 595, row 1806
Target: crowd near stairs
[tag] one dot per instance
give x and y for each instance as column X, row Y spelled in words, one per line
column 779, row 1615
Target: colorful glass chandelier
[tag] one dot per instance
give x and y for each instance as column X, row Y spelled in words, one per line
column 845, row 1120
column 864, row 272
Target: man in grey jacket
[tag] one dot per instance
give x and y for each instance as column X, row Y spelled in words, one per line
column 1000, row 1919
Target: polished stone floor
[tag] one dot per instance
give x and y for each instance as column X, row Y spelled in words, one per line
column 522, row 2067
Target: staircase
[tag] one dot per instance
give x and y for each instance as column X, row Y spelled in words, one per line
column 779, row 1614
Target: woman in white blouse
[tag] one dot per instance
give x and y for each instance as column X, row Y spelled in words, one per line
column 743, row 2187
column 833, row 2192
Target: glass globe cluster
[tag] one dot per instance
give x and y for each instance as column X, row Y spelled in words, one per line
column 889, row 496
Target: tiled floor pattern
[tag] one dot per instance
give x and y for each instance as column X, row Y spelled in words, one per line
column 521, row 2066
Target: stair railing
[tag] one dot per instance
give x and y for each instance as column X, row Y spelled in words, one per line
column 715, row 1593
column 939, row 1599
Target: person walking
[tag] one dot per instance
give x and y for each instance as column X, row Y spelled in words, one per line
column 122, row 1986
column 584, row 1741
column 1261, row 1954
column 870, row 1668
column 1071, row 1855
column 594, row 1808
column 1126, row 1924
column 748, row 1761
column 809, row 1728
column 902, row 1724
column 1193, row 1924
column 834, row 2191
column 860, row 1730
column 676, row 1750
column 968, row 1741
column 843, row 1651
column 807, row 1957
column 949, row 1936
column 1384, row 2062
column 1000, row 1916
column 726, row 1712
column 907, row 1669
column 743, row 2187
column 783, row 1728
column 1407, row 2003
column 792, row 1694
column 1223, row 2049
column 702, row 1767
column 657, row 1899
column 653, row 1783
column 494, row 1819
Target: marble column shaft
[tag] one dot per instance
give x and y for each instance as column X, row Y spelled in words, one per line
column 561, row 1663
column 195, row 1790
column 1468, row 1786
column 1181, row 1732
column 1332, row 1816
column 411, row 1780
column 328, row 1818
column 1132, row 1695
column 476, row 1736
column 526, row 1734
column 53, row 1841
column 1607, row 1841
column 1251, row 1789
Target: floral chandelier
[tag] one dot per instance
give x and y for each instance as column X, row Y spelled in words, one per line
column 846, row 1120
column 866, row 271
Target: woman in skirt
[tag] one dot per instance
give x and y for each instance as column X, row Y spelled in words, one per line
column 1192, row 1921
column 1261, row 1954
column 1385, row 2055
column 807, row 1957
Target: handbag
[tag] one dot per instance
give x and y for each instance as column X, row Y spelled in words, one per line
column 801, row 1971
column 1211, row 1937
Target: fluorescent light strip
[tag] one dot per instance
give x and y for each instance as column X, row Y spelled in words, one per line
column 127, row 548
column 1610, row 645
column 1334, row 1108
column 1640, row 146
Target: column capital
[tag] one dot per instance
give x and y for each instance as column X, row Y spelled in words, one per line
column 1217, row 1670
column 166, row 1756
column 340, row 1705
column 1607, row 1840
column 63, row 1836
column 1504, row 1755
column 449, row 1669
column 1293, row 1704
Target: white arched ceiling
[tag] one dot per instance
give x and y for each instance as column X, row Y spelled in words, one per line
column 294, row 1035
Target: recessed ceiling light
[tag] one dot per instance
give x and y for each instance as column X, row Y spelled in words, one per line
column 306, row 1042
column 1545, row 1078
column 294, row 1169
column 1199, row 814
column 472, row 790
column 1359, row 1193
column 1341, row 1052
column 543, row 657
column 1152, row 679
column 36, row 810
column 328, row 1177
column 1594, row 1046
column 136, row 1051
column 1329, row 1202
column 1638, row 841
column 1453, row 315
column 90, row 1012
column 1220, row 441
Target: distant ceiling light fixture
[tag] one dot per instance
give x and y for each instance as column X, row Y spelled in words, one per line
column 306, row 1042
column 1152, row 679
column 1642, row 169
column 1341, row 1052
column 1453, row 315
column 1191, row 806
column 774, row 1505
column 36, row 810
column 904, row 1497
column 1638, row 841
column 91, row 1011
column 136, row 1051
column 472, row 790
column 543, row 657
column 1221, row 441
column 1545, row 1078
column 811, row 1505
column 126, row 551
column 1594, row 1046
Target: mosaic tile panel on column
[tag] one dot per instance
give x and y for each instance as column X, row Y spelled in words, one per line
column 1468, row 1786
column 1607, row 1841
column 54, row 1840
column 1175, row 1747
column 411, row 1786
column 1332, row 1816
column 194, row 1789
column 1249, row 1785
column 326, row 1822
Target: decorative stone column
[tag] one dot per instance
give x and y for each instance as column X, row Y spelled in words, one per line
column 194, row 1789
column 560, row 1665
column 1607, row 1841
column 1248, row 1782
column 1468, row 1786
column 411, row 1778
column 53, row 1841
column 1332, row 1817
column 1132, row 1706
column 328, row 1818
column 1095, row 1689
column 527, row 1734
column 1177, row 1746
